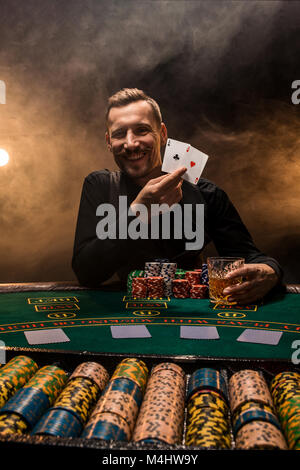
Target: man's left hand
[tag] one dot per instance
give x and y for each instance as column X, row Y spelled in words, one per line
column 258, row 280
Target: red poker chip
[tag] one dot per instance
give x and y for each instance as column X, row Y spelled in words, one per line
column 193, row 277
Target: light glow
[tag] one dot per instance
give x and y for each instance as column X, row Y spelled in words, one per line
column 4, row 157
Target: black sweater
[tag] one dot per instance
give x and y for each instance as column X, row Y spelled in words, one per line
column 95, row 261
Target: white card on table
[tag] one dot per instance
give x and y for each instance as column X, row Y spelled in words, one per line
column 260, row 336
column 130, row 331
column 55, row 335
column 199, row 332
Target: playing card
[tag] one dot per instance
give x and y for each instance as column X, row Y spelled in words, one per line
column 55, row 335
column 131, row 331
column 260, row 336
column 194, row 161
column 199, row 332
column 174, row 156
column 181, row 154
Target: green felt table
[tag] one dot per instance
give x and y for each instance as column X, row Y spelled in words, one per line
column 86, row 317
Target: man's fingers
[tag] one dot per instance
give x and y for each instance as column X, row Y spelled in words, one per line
column 242, row 272
column 171, row 179
column 239, row 288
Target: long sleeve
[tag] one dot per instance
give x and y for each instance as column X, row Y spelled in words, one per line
column 94, row 260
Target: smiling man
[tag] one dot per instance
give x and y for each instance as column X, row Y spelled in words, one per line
column 135, row 136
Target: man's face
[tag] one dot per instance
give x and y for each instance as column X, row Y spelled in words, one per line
column 135, row 138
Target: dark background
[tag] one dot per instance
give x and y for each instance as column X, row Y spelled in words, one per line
column 222, row 73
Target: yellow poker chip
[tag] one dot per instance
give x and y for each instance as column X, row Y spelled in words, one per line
column 208, row 400
column 79, row 396
column 282, row 376
column 12, row 424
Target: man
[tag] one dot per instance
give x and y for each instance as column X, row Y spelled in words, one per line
column 135, row 136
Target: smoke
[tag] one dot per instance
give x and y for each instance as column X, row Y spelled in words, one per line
column 221, row 72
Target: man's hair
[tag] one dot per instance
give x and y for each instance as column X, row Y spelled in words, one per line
column 131, row 95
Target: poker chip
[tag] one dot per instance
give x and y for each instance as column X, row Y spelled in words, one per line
column 198, row 291
column 130, row 277
column 152, row 269
column 260, row 435
column 208, row 423
column 167, row 272
column 161, row 414
column 180, row 288
column 12, row 424
column 250, row 406
column 93, row 371
column 208, row 399
column 207, row 378
column 120, row 403
column 78, row 397
column 126, row 386
column 59, row 423
column 248, row 385
column 31, row 401
column 285, row 389
column 180, row 274
column 168, row 366
column 133, row 369
column 255, row 415
column 14, row 375
column 155, row 286
column 193, row 277
column 139, row 287
column 204, row 275
column 107, row 426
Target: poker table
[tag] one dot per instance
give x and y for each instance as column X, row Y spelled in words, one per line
column 86, row 315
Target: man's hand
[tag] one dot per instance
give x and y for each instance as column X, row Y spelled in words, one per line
column 258, row 281
column 165, row 189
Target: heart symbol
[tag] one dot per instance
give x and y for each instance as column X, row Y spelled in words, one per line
column 193, row 164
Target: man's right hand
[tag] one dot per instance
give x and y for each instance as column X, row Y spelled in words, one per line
column 165, row 189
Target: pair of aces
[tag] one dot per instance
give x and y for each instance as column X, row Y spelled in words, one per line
column 179, row 154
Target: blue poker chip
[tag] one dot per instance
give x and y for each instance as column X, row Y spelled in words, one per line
column 255, row 415
column 105, row 431
column 29, row 402
column 126, row 386
column 207, row 378
column 204, row 275
column 60, row 423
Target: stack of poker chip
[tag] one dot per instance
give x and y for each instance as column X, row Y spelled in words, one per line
column 152, row 268
column 167, row 272
column 139, row 287
column 155, row 287
column 193, row 277
column 255, row 424
column 116, row 411
column 180, row 274
column 31, row 401
column 14, row 375
column 161, row 415
column 208, row 423
column 130, row 277
column 285, row 389
column 72, row 408
column 181, row 288
column 197, row 290
column 204, row 275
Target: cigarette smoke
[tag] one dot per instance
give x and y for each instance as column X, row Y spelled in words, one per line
column 221, row 72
